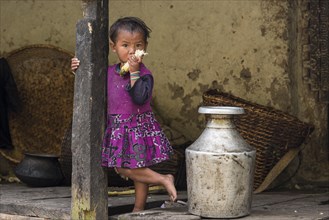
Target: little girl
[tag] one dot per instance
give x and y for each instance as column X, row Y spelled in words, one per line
column 133, row 139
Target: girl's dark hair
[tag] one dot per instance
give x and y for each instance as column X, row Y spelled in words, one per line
column 132, row 24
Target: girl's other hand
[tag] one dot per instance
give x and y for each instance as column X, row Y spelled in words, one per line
column 74, row 64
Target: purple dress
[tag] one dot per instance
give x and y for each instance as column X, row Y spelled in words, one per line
column 133, row 137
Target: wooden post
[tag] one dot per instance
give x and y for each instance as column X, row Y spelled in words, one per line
column 89, row 179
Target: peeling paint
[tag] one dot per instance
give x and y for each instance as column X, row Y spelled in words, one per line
column 203, row 87
column 215, row 84
column 178, row 91
column 263, row 30
column 245, row 73
column 279, row 94
column 194, row 74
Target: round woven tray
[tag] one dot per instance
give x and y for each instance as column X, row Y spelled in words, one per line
column 45, row 85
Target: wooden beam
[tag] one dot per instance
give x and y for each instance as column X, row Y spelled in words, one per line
column 89, row 179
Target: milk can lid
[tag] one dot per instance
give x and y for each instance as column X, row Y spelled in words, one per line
column 221, row 110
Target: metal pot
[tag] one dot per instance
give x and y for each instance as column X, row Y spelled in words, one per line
column 39, row 170
column 220, row 168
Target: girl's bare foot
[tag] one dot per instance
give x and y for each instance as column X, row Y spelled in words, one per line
column 170, row 187
column 137, row 209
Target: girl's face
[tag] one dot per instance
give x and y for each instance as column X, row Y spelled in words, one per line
column 127, row 43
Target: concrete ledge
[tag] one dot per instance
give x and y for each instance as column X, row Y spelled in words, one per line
column 269, row 206
column 18, row 217
column 20, row 202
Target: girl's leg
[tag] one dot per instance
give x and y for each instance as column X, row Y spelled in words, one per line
column 148, row 176
column 141, row 190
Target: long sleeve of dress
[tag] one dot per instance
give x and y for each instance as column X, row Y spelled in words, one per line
column 141, row 90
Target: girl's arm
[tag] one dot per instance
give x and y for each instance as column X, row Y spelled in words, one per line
column 141, row 91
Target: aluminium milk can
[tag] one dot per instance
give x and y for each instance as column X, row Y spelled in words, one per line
column 220, row 167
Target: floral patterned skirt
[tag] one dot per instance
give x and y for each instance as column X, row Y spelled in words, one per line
column 134, row 141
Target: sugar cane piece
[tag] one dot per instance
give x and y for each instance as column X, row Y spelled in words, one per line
column 125, row 68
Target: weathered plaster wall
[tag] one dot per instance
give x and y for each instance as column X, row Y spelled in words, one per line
column 243, row 47
column 237, row 46
column 38, row 22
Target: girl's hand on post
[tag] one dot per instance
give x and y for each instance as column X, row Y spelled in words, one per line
column 74, row 64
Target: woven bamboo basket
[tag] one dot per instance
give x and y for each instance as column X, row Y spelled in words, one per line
column 45, row 85
column 271, row 132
